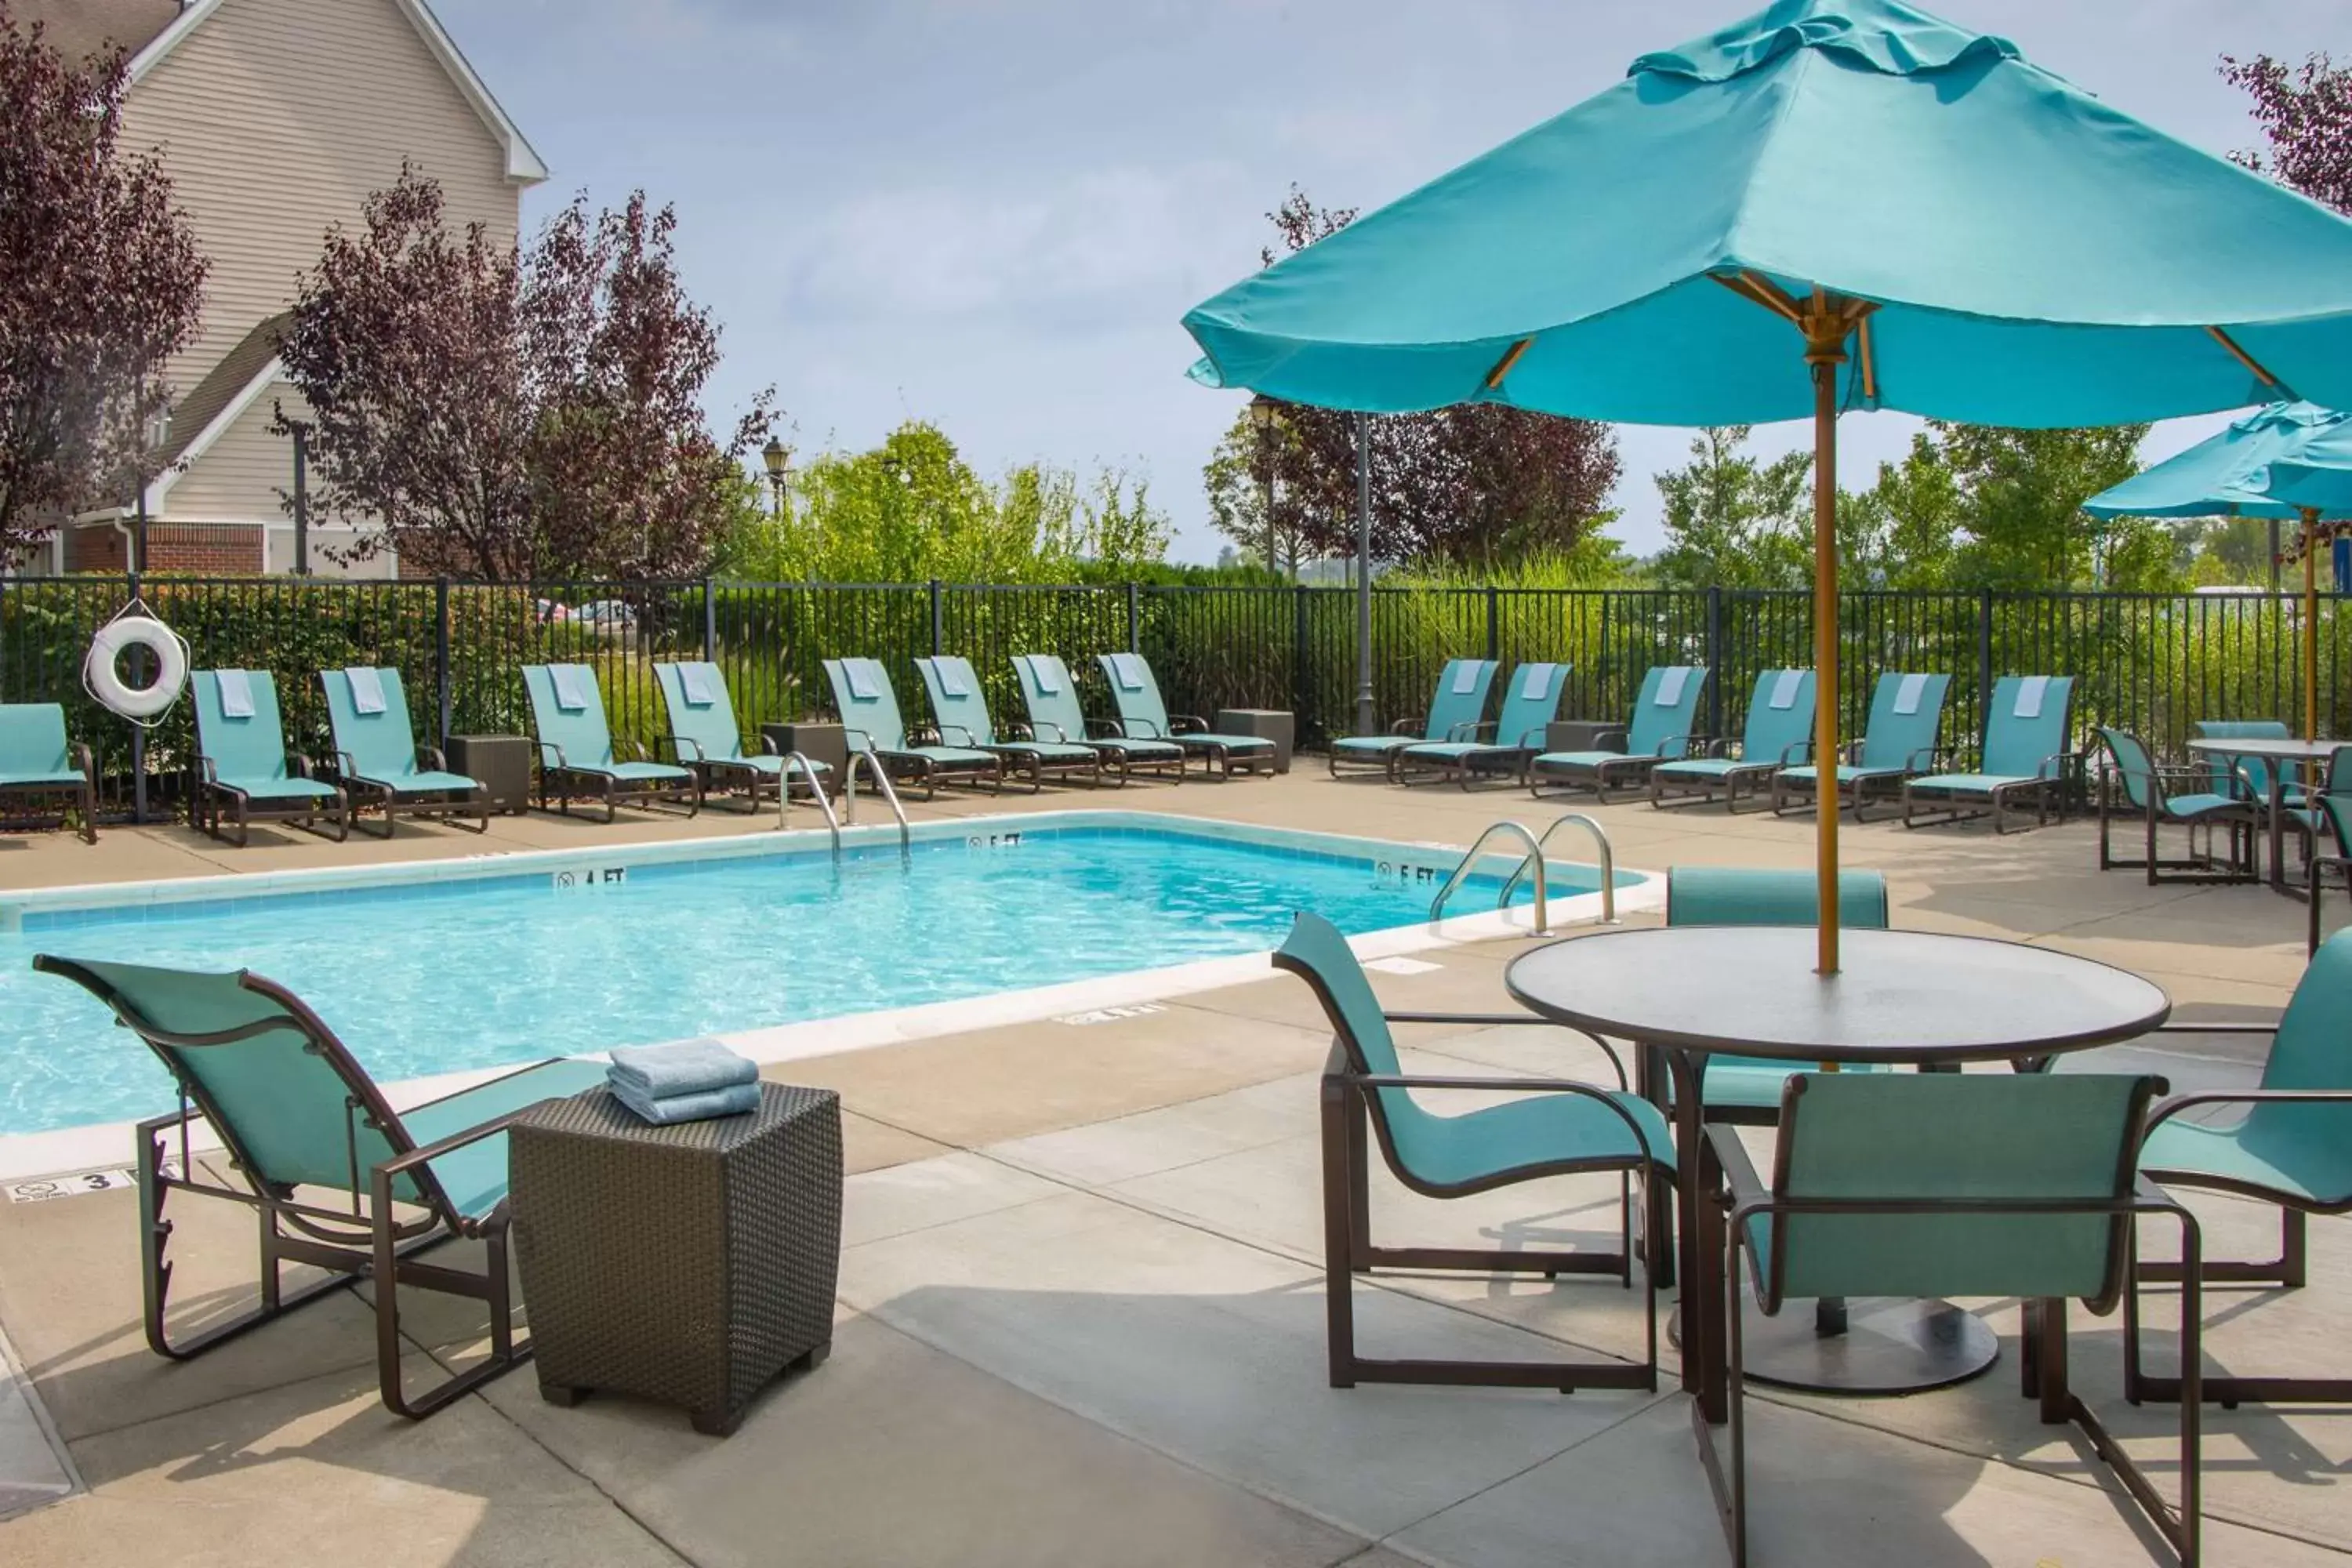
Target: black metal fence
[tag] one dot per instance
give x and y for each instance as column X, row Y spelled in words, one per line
column 2151, row 663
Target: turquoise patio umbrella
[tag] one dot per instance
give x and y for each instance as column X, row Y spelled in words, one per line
column 2234, row 474
column 1831, row 205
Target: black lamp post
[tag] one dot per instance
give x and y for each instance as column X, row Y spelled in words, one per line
column 1264, row 414
column 778, row 461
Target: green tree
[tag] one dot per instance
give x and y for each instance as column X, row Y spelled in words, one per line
column 1733, row 520
column 2022, row 494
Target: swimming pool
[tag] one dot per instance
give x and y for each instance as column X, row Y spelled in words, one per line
column 426, row 970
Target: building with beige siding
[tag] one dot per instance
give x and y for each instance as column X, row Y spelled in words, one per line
column 275, row 119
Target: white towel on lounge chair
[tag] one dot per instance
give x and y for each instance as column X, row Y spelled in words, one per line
column 950, row 678
column 367, row 689
column 571, row 685
column 1537, row 683
column 236, row 693
column 1130, row 666
column 694, row 681
column 1785, row 687
column 1044, row 675
column 1465, row 676
column 1907, row 695
column 1670, row 685
column 2030, row 691
column 861, row 681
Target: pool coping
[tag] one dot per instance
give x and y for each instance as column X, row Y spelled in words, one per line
column 110, row 1145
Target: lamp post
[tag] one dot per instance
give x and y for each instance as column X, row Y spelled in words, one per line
column 1264, row 414
column 778, row 461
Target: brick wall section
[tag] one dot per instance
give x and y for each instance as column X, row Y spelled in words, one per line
column 181, row 549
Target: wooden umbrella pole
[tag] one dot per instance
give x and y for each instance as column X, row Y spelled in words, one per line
column 2311, row 623
column 1826, row 327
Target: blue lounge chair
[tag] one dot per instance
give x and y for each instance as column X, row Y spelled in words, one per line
column 301, row 1120
column 704, row 736
column 1746, row 1090
column 1660, row 731
column 1567, row 1127
column 1778, row 735
column 1956, row 1184
column 379, row 762
column 2293, row 1148
column 2149, row 791
column 576, row 748
column 863, row 696
column 1531, row 702
column 2028, row 752
column 1899, row 743
column 961, row 711
column 1144, row 716
column 1056, row 714
column 1457, row 711
column 38, row 760
column 242, row 762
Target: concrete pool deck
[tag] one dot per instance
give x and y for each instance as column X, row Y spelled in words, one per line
column 1081, row 1317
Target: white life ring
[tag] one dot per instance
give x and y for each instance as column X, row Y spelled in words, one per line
column 102, row 678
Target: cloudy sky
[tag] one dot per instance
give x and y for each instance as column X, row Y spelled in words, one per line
column 991, row 213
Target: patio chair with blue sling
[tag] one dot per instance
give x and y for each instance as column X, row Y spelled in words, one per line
column 2248, row 778
column 242, row 762
column 2292, row 1147
column 1664, row 721
column 576, row 748
column 380, row 764
column 1056, row 714
column 1778, row 735
column 704, row 736
column 1530, row 703
column 870, row 722
column 962, row 709
column 301, row 1118
column 2149, row 790
column 2027, row 754
column 1457, row 711
column 1563, row 1128
column 1898, row 742
column 1954, row 1184
column 38, row 760
column 1144, row 716
column 2331, row 810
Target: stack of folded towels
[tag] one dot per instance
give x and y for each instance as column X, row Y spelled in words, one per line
column 688, row 1081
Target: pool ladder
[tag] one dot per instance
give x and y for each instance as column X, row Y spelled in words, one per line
column 873, row 766
column 1533, row 860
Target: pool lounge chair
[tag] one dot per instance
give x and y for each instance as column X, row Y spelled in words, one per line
column 1660, row 731
column 1899, row 743
column 962, row 709
column 242, row 762
column 870, row 721
column 1457, row 711
column 301, row 1120
column 704, row 736
column 1531, row 702
column 2027, row 753
column 1056, row 714
column 1778, row 735
column 38, row 760
column 1144, row 716
column 2148, row 792
column 379, row 762
column 576, row 748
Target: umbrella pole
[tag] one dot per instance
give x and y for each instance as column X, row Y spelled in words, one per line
column 2311, row 623
column 1825, row 334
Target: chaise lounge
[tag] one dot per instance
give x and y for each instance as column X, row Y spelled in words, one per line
column 962, row 709
column 2026, row 755
column 1144, row 716
column 1056, row 714
column 36, row 760
column 1778, row 735
column 1898, row 744
column 379, row 762
column 704, row 736
column 870, row 722
column 576, row 748
column 1660, row 731
column 1457, row 711
column 242, row 762
column 1530, row 705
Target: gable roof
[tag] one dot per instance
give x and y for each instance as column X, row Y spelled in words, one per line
column 80, row 28
column 217, row 402
column 179, row 20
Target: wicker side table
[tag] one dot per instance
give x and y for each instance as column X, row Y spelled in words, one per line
column 688, row 1264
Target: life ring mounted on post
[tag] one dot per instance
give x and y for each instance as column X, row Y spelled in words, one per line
column 135, row 627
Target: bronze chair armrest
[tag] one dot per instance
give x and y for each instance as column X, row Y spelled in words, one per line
column 1508, row 1086
column 2167, row 1109
column 1516, row 1021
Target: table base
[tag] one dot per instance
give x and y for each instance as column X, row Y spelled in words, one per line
column 1890, row 1346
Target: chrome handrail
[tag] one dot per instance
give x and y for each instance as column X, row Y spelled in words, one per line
column 816, row 791
column 881, row 777
column 1600, row 841
column 1469, row 862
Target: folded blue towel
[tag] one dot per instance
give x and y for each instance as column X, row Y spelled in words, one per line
column 686, row 1066
column 701, row 1107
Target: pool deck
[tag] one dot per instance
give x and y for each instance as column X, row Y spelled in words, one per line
column 1080, row 1316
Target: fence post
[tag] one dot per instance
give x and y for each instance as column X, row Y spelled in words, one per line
column 1984, row 649
column 1134, row 618
column 1715, row 662
column 139, row 731
column 441, row 654
column 710, row 624
column 1493, row 624
column 937, row 640
column 1302, row 657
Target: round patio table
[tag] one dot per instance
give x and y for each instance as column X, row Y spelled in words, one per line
column 2279, row 754
column 1916, row 998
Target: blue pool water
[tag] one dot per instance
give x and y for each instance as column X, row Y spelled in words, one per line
column 431, row 977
